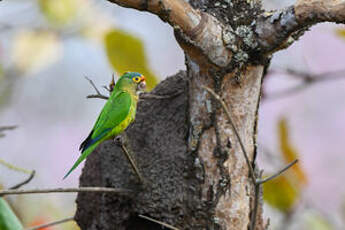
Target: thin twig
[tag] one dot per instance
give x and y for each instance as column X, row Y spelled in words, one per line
column 159, row 222
column 93, row 85
column 4, row 128
column 227, row 112
column 308, row 80
column 9, row 127
column 98, row 94
column 257, row 191
column 112, row 83
column 51, row 224
column 15, row 168
column 106, row 88
column 64, row 190
column 261, row 181
column 287, row 92
column 26, row 181
column 101, row 96
column 132, row 163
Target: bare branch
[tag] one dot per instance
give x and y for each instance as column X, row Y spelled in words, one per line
column 278, row 29
column 65, row 190
column 51, row 224
column 26, row 181
column 106, row 88
column 158, row 222
column 308, row 80
column 202, row 30
column 258, row 189
column 11, row 127
column 261, row 181
column 275, row 29
column 93, row 85
column 286, row 92
column 257, row 192
column 5, row 128
column 313, row 11
column 98, row 95
column 227, row 112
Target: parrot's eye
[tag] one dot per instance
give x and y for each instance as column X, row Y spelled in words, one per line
column 136, row 79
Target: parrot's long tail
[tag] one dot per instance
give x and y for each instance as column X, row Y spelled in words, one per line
column 82, row 157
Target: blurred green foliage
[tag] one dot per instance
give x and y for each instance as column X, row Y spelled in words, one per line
column 283, row 192
column 58, row 12
column 126, row 53
column 280, row 193
column 340, row 33
column 289, row 152
column 8, row 220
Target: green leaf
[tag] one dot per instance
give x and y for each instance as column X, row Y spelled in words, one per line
column 290, row 153
column 126, row 53
column 8, row 220
column 280, row 193
column 59, row 12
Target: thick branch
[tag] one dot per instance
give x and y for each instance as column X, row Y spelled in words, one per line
column 313, row 11
column 279, row 29
column 203, row 31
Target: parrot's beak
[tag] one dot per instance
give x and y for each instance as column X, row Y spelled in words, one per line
column 142, row 84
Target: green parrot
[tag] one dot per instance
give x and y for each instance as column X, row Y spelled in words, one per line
column 118, row 112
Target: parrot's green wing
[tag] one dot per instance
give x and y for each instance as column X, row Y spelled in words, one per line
column 115, row 111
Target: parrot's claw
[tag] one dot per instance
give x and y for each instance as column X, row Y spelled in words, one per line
column 118, row 140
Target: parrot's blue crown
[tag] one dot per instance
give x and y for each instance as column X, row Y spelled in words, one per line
column 131, row 74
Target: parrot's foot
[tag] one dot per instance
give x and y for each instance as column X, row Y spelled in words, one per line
column 119, row 142
column 159, row 97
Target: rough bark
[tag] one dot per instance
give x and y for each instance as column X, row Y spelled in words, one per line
column 225, row 182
